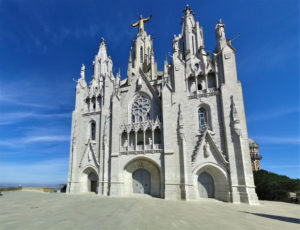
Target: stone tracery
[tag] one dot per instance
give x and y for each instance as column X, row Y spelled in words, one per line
column 141, row 109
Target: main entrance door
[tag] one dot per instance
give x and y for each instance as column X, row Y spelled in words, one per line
column 206, row 185
column 93, row 179
column 141, row 180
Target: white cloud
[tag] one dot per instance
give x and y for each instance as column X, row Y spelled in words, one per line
column 7, row 100
column 34, row 139
column 23, row 141
column 280, row 112
column 14, row 117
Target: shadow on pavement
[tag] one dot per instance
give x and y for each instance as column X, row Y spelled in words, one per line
column 281, row 218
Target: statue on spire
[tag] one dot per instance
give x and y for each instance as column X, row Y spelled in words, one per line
column 140, row 23
column 219, row 30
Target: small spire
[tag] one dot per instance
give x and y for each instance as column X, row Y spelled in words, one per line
column 165, row 66
column 166, row 61
column 130, row 58
column 102, row 41
column 102, row 49
column 187, row 10
column 82, row 71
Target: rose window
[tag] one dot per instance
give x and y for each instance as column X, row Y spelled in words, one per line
column 140, row 108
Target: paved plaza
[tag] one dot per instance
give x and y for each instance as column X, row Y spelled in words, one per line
column 37, row 210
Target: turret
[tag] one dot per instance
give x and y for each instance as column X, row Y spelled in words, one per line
column 102, row 63
column 81, row 89
column 191, row 33
column 225, row 56
column 117, row 83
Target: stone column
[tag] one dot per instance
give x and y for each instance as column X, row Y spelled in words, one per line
column 152, row 138
column 196, row 81
column 128, row 143
column 135, row 140
column 144, row 143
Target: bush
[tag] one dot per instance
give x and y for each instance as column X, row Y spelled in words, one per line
column 271, row 186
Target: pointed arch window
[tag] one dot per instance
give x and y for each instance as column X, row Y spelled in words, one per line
column 141, row 54
column 202, row 117
column 93, row 130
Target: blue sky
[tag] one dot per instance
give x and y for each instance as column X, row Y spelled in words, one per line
column 44, row 43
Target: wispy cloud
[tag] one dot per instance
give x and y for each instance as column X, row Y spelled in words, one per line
column 23, row 141
column 266, row 115
column 15, row 117
column 34, row 139
column 12, row 100
column 277, row 140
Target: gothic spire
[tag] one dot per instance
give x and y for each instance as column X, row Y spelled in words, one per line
column 82, row 72
column 102, row 53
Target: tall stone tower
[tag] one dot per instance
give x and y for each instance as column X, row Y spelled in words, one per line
column 179, row 133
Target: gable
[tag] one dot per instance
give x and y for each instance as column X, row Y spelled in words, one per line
column 89, row 156
column 206, row 150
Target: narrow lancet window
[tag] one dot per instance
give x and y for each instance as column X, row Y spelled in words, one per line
column 141, row 54
column 202, row 119
column 93, row 131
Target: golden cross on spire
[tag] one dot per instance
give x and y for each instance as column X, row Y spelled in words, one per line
column 140, row 23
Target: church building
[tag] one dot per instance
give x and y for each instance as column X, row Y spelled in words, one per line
column 179, row 133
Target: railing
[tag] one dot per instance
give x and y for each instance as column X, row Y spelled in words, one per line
column 131, row 148
column 203, row 93
column 123, row 149
column 148, row 147
column 139, row 147
column 157, row 146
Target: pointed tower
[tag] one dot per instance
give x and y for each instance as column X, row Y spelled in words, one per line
column 90, row 136
column 191, row 33
column 141, row 54
column 234, row 126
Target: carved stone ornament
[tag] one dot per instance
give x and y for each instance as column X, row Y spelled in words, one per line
column 206, row 149
column 141, row 107
column 235, row 119
column 227, row 55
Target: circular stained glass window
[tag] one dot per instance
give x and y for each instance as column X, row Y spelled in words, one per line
column 140, row 108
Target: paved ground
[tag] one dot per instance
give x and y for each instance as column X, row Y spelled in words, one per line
column 37, row 210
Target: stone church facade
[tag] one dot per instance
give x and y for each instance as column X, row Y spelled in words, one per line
column 179, row 133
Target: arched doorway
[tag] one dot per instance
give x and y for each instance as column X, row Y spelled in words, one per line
column 142, row 176
column 89, row 180
column 93, row 182
column 141, row 181
column 206, row 185
column 211, row 181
